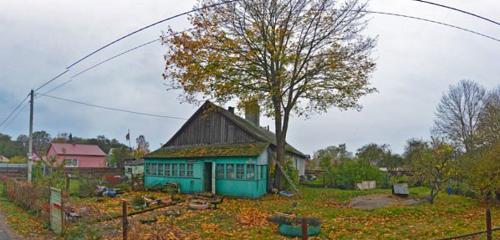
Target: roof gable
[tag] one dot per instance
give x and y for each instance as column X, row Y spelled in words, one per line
column 245, row 131
column 76, row 149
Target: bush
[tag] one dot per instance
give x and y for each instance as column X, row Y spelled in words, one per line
column 87, row 187
column 28, row 196
column 350, row 172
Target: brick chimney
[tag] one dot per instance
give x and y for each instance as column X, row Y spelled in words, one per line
column 252, row 112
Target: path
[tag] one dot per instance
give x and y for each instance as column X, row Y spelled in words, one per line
column 5, row 232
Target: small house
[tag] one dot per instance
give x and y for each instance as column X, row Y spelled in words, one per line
column 217, row 151
column 133, row 168
column 77, row 155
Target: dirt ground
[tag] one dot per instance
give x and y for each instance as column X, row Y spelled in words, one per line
column 382, row 200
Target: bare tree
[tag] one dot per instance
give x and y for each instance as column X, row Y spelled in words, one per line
column 294, row 56
column 458, row 112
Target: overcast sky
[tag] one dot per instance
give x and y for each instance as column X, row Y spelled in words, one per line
column 416, row 62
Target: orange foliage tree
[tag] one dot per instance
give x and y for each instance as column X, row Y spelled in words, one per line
column 293, row 56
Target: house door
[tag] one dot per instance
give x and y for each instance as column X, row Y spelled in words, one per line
column 207, row 177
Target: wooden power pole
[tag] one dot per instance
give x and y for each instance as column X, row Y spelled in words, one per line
column 30, row 144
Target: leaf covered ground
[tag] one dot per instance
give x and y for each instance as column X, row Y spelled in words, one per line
column 22, row 222
column 247, row 219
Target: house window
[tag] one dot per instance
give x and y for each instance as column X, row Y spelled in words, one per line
column 219, row 171
column 167, row 169
column 240, row 171
column 146, row 168
column 182, row 170
column 250, row 171
column 160, row 169
column 70, row 163
column 189, row 171
column 262, row 171
column 230, row 171
column 174, row 169
column 154, row 167
column 129, row 170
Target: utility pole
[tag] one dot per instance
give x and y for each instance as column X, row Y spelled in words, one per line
column 30, row 145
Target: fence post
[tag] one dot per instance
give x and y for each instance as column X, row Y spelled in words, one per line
column 489, row 234
column 304, row 229
column 124, row 219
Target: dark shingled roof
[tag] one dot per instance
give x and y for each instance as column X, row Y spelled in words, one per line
column 226, row 150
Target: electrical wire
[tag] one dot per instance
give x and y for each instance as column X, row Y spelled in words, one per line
column 72, row 78
column 430, row 21
column 132, row 33
column 14, row 110
column 15, row 116
column 458, row 10
column 111, row 108
column 52, row 79
column 148, row 26
column 98, row 64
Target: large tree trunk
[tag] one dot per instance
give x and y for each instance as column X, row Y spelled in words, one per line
column 281, row 125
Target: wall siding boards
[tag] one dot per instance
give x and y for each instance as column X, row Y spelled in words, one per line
column 211, row 128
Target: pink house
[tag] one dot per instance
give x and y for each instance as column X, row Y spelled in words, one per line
column 77, row 155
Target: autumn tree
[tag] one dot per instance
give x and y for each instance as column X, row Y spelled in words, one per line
column 458, row 113
column 294, row 56
column 489, row 119
column 481, row 170
column 433, row 164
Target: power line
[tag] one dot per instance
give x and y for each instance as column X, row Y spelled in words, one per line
column 132, row 33
column 148, row 26
column 98, row 64
column 14, row 110
column 111, row 58
column 52, row 79
column 430, row 21
column 15, row 116
column 458, row 10
column 111, row 108
column 231, row 1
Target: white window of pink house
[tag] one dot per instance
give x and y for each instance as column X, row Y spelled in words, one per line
column 70, row 162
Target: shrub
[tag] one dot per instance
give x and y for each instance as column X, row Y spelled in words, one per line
column 350, row 172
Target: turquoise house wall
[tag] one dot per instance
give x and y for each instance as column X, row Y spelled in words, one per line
column 188, row 184
column 231, row 179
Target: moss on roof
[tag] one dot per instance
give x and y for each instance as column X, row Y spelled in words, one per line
column 260, row 132
column 232, row 150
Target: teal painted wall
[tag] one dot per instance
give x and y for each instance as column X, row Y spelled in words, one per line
column 235, row 176
column 188, row 184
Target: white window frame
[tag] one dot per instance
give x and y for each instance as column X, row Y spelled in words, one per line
column 73, row 161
